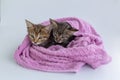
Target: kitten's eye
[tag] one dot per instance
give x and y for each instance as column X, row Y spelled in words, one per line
column 63, row 36
column 44, row 37
column 32, row 36
column 40, row 37
column 56, row 34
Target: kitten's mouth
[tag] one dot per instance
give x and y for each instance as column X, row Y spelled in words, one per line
column 36, row 44
column 59, row 41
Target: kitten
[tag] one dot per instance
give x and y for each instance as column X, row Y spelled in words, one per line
column 38, row 34
column 62, row 32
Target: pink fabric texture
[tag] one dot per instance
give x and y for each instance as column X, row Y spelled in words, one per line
column 86, row 48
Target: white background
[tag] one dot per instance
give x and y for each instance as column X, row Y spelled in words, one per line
column 104, row 15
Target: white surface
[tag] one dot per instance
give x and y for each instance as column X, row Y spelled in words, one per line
column 104, row 15
column 0, row 10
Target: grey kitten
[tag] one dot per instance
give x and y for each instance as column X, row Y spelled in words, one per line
column 62, row 33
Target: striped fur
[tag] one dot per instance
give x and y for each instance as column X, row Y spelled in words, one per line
column 38, row 34
column 62, row 32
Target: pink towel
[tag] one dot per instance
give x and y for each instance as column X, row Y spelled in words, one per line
column 86, row 48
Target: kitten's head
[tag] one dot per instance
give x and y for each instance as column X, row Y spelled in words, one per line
column 38, row 34
column 62, row 31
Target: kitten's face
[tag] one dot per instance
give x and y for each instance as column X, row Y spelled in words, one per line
column 38, row 34
column 62, row 31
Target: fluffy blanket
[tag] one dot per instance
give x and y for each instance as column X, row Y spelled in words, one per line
column 86, row 48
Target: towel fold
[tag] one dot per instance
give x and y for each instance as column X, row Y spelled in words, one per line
column 86, row 48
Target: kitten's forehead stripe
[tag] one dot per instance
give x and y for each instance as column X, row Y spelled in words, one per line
column 62, row 28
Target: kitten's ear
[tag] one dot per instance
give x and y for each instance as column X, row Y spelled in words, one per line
column 29, row 24
column 53, row 22
column 49, row 28
column 72, row 30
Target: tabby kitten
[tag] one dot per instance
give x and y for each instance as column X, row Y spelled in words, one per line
column 62, row 32
column 38, row 34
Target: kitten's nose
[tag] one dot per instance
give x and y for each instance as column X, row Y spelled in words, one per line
column 59, row 40
column 36, row 41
